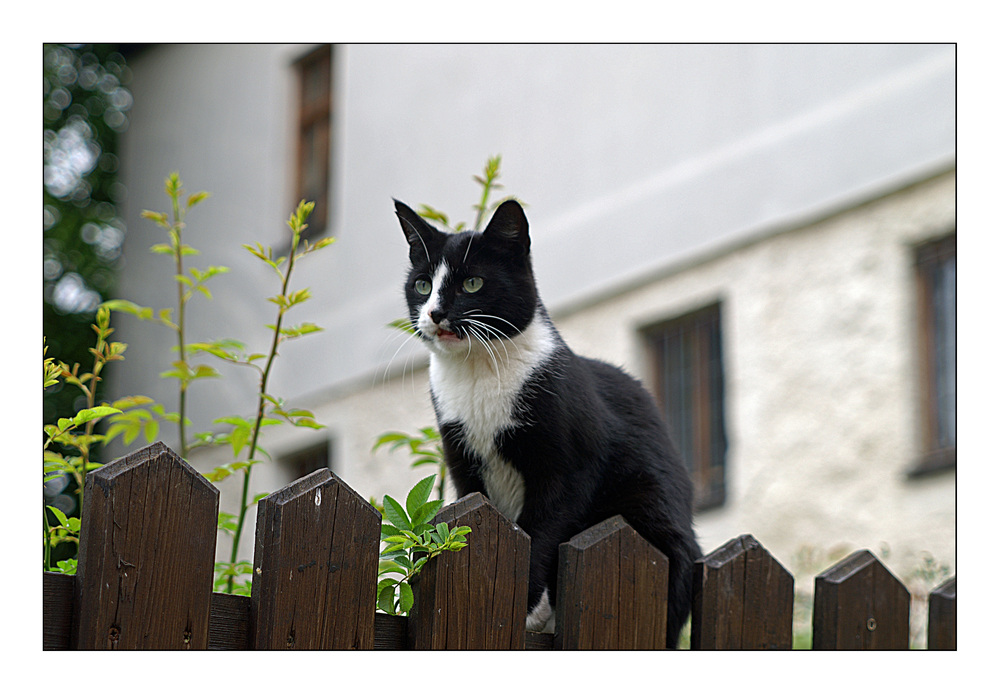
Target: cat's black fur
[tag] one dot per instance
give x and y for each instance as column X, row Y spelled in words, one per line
column 557, row 441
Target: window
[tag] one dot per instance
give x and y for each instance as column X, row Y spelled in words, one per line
column 686, row 357
column 312, row 181
column 308, row 460
column 936, row 336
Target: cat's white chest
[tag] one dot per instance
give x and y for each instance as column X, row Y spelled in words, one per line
column 480, row 390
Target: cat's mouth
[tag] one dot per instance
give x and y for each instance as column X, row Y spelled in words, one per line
column 447, row 336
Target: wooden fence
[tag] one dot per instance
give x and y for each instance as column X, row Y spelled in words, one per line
column 147, row 552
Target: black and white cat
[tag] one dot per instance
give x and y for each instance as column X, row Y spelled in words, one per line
column 555, row 441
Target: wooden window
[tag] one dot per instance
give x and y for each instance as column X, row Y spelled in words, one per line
column 936, row 331
column 312, row 181
column 688, row 382
column 308, row 460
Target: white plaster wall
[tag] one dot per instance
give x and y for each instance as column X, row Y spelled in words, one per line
column 630, row 157
column 650, row 171
column 819, row 349
column 821, row 381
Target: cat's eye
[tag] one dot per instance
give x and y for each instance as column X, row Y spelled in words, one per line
column 472, row 284
column 422, row 287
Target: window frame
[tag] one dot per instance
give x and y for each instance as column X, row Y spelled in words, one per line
column 314, row 115
column 706, row 411
column 303, row 461
column 929, row 257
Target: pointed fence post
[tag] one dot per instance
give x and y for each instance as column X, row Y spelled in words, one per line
column 612, row 590
column 860, row 605
column 477, row 597
column 942, row 613
column 147, row 554
column 315, row 567
column 743, row 599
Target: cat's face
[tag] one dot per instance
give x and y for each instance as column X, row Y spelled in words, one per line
column 466, row 290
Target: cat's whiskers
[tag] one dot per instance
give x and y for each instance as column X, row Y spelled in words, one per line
column 476, row 333
column 487, row 330
column 403, row 338
column 470, row 316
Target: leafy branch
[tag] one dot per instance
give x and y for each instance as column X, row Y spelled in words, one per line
column 182, row 370
column 488, row 182
column 245, row 432
column 411, row 542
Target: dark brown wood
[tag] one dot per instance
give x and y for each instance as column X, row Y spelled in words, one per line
column 612, row 590
column 860, row 605
column 477, row 597
column 57, row 611
column 743, row 599
column 537, row 641
column 147, row 553
column 942, row 613
column 315, row 567
column 229, row 625
column 390, row 632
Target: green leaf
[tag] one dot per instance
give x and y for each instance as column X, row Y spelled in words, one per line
column 196, row 198
column 125, row 306
column 158, row 217
column 405, row 597
column 386, row 599
column 395, row 513
column 151, row 429
column 60, row 516
column 403, row 324
column 426, row 511
column 419, row 494
column 389, row 438
column 131, row 401
column 92, row 413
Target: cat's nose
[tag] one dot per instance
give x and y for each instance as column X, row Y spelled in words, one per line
column 437, row 316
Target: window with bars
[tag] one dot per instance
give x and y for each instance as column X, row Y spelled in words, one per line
column 301, row 463
column 688, row 382
column 312, row 182
column 936, row 335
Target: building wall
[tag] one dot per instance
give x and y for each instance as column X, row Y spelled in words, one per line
column 821, row 385
column 819, row 343
column 658, row 179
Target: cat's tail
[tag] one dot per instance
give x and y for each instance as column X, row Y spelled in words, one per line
column 682, row 553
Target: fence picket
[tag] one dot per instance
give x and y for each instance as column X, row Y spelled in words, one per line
column 147, row 545
column 147, row 552
column 477, row 597
column 743, row 599
column 612, row 590
column 315, row 567
column 860, row 605
column 942, row 613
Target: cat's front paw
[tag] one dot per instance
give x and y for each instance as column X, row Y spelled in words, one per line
column 542, row 618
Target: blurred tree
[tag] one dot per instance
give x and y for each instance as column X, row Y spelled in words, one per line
column 86, row 101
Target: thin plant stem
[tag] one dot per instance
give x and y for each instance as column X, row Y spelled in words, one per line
column 261, row 400
column 181, row 302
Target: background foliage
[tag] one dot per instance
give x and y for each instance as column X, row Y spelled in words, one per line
column 86, row 101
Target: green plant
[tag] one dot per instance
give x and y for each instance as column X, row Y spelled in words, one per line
column 411, row 542
column 271, row 410
column 69, row 443
column 488, row 182
column 241, row 433
column 425, row 449
column 184, row 371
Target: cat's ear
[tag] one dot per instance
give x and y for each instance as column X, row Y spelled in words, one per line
column 509, row 225
column 419, row 234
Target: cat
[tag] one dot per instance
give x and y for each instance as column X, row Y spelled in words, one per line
column 555, row 441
